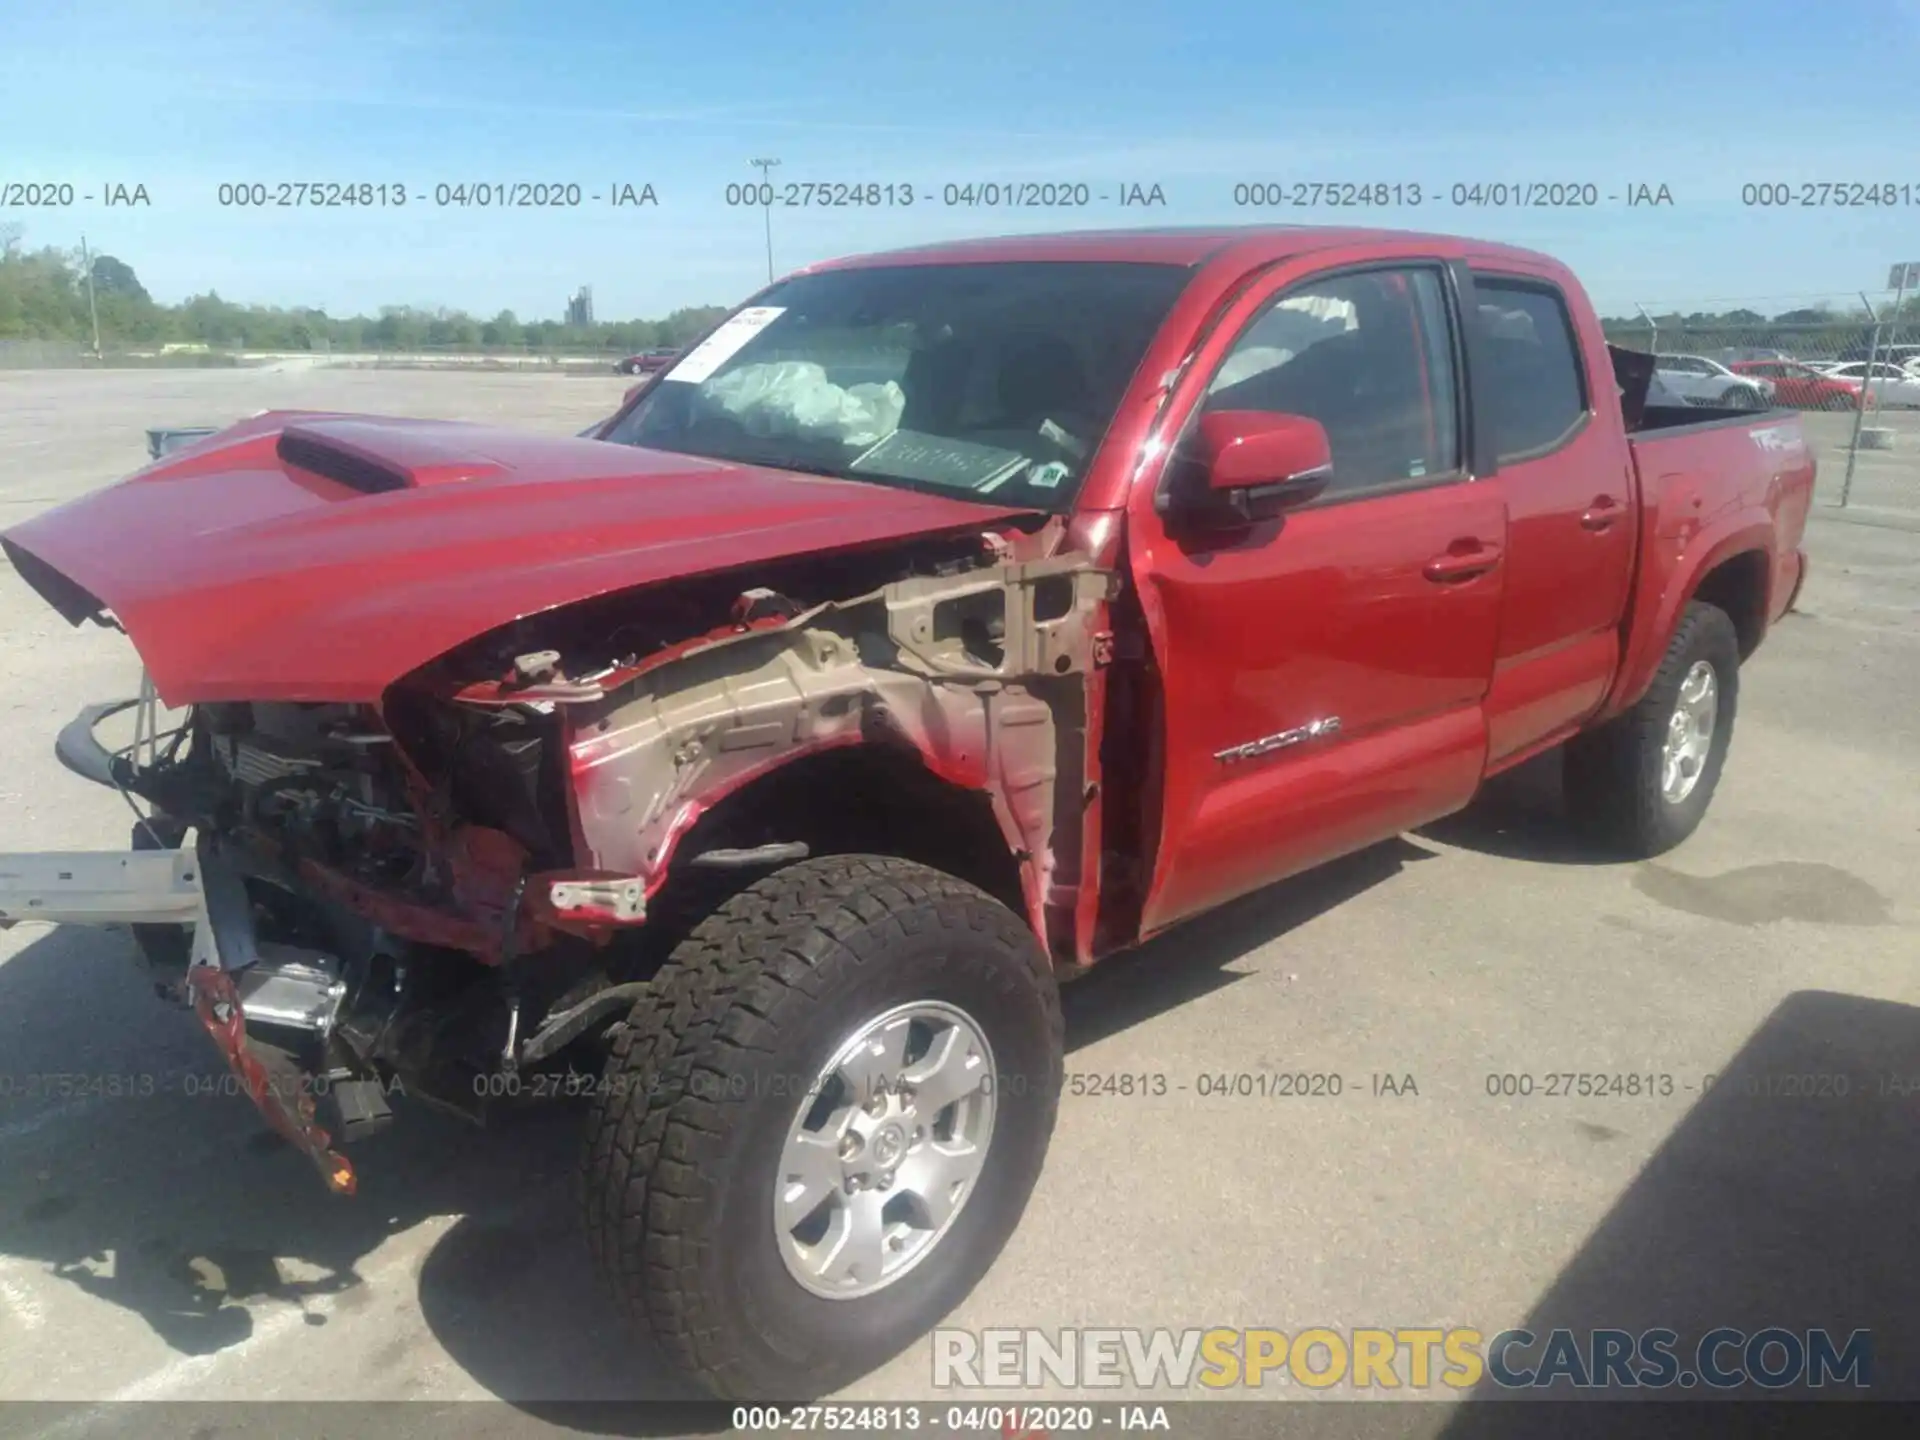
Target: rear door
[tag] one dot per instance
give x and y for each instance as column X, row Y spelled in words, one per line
column 1322, row 674
column 1567, row 478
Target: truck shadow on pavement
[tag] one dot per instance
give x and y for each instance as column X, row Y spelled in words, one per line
column 1521, row 814
column 1189, row 961
column 130, row 1171
column 1783, row 1198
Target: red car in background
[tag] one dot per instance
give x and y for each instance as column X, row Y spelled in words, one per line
column 648, row 361
column 1800, row 385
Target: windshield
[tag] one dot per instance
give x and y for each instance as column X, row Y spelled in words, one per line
column 992, row 381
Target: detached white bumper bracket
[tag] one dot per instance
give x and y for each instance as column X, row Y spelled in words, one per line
column 136, row 887
column 101, row 887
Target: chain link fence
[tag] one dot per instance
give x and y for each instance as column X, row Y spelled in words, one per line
column 1853, row 373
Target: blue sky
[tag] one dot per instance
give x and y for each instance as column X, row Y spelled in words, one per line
column 1703, row 97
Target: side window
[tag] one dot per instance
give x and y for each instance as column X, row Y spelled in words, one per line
column 1370, row 356
column 1535, row 393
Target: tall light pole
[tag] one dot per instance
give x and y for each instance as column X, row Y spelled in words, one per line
column 86, row 262
column 765, row 167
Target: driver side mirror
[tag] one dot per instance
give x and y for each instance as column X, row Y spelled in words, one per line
column 1258, row 464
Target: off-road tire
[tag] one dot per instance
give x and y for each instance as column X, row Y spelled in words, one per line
column 1612, row 775
column 684, row 1134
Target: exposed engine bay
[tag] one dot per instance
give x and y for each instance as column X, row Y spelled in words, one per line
column 456, row 892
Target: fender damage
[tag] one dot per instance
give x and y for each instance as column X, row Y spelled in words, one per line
column 981, row 676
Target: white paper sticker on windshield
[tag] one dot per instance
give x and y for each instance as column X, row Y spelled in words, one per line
column 721, row 346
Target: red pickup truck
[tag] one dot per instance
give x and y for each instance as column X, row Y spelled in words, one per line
column 944, row 621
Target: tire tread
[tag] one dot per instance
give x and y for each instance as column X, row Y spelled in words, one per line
column 654, row 1137
column 1612, row 774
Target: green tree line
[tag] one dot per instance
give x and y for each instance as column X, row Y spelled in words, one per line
column 43, row 296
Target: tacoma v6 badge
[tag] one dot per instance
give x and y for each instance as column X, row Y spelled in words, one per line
column 1267, row 744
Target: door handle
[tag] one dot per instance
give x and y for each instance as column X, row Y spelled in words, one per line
column 1462, row 560
column 1602, row 513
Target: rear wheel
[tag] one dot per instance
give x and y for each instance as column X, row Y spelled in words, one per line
column 818, row 1131
column 1641, row 783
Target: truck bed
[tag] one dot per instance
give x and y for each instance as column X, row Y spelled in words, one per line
column 1659, row 421
column 1714, row 484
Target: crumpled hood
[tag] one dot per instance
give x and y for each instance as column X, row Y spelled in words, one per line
column 304, row 556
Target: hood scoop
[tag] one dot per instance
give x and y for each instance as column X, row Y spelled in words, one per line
column 379, row 461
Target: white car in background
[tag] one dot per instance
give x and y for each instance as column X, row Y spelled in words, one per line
column 1891, row 388
column 1700, row 381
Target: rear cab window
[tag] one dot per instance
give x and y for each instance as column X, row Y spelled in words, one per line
column 1535, row 395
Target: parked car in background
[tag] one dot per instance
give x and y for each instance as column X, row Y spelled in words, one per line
column 1700, row 381
column 1801, row 385
column 1658, row 393
column 1893, row 354
column 648, row 361
column 1734, row 354
column 1891, row 387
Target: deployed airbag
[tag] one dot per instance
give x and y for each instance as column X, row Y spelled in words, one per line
column 795, row 397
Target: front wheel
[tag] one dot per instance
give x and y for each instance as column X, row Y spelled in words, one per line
column 817, row 1132
column 1641, row 783
column 1742, row 397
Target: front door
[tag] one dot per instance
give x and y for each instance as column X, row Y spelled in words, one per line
column 1323, row 674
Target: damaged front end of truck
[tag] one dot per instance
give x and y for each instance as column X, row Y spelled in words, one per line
column 454, row 888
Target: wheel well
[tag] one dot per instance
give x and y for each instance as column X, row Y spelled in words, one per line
column 1738, row 585
column 865, row 799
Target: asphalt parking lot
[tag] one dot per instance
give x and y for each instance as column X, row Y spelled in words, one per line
column 162, row 1248
column 1886, row 483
